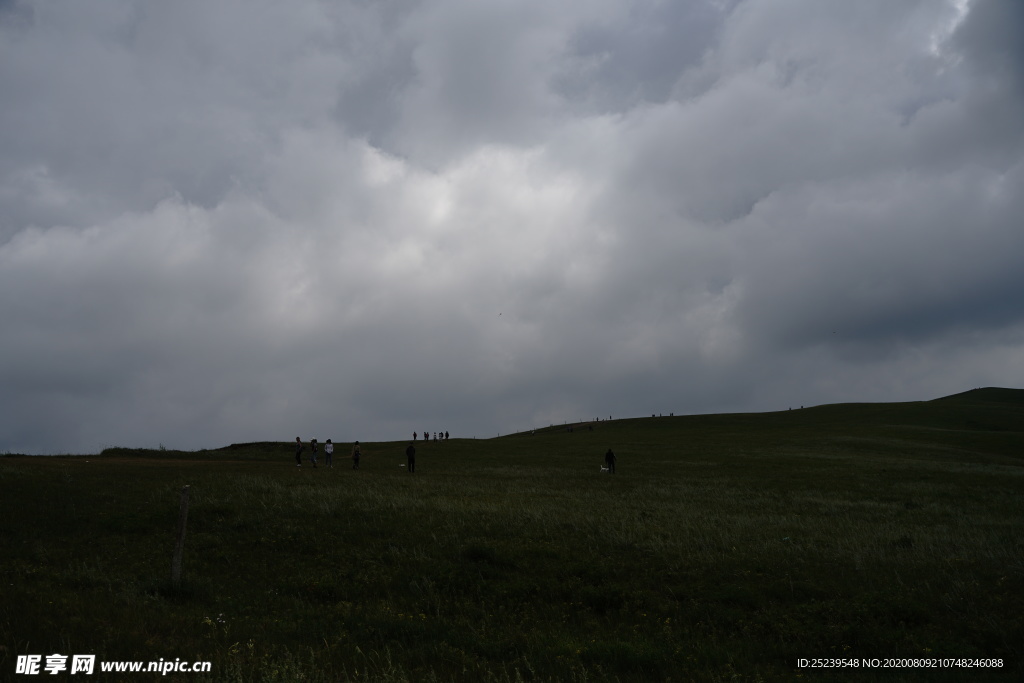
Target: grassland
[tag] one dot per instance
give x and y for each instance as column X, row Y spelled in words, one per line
column 725, row 548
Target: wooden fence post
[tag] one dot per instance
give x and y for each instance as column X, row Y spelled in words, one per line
column 179, row 548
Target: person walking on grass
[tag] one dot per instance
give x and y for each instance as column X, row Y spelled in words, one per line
column 609, row 460
column 410, row 456
column 356, row 454
column 298, row 452
column 312, row 451
column 329, row 454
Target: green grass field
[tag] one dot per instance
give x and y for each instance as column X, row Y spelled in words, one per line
column 725, row 548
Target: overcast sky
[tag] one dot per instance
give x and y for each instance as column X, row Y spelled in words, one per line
column 241, row 220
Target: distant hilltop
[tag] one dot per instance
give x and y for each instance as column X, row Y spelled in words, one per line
column 988, row 395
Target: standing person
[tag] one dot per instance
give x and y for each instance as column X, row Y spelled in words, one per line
column 329, row 454
column 355, row 456
column 609, row 460
column 410, row 455
column 298, row 452
column 312, row 451
column 414, row 436
column 446, row 436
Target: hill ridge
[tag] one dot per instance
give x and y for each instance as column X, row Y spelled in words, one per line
column 987, row 395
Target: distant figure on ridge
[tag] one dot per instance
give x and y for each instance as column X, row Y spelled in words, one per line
column 414, row 436
column 410, row 455
column 609, row 460
column 355, row 456
column 329, row 454
column 298, row 452
column 446, row 436
column 312, row 451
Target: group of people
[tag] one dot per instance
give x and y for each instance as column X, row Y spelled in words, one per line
column 328, row 453
column 438, row 436
column 410, row 453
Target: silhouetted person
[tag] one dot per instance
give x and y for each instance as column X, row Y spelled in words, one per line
column 609, row 460
column 414, row 436
column 446, row 436
column 410, row 456
column 329, row 454
column 298, row 451
column 312, row 451
column 355, row 456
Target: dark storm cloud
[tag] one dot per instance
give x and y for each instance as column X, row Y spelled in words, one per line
column 227, row 221
column 638, row 56
column 992, row 38
column 875, row 266
column 15, row 13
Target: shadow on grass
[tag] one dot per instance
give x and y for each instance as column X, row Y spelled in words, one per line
column 187, row 592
